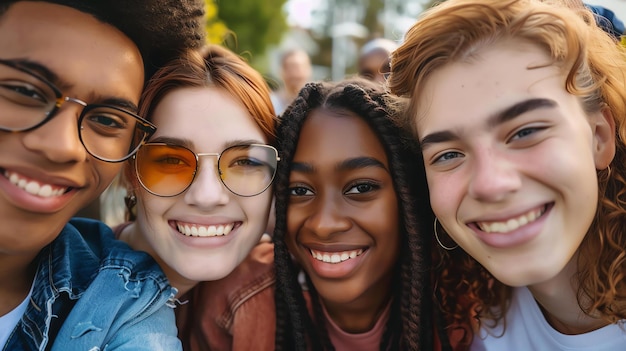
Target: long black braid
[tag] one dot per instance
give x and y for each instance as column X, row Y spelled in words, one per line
column 411, row 317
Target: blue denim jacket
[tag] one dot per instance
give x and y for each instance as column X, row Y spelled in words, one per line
column 93, row 293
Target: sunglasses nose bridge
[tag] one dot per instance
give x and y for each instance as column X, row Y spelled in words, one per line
column 215, row 164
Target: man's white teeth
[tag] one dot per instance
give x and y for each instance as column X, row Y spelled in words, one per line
column 34, row 188
column 335, row 257
column 511, row 224
column 205, row 231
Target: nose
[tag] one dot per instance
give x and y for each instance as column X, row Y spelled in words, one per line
column 58, row 139
column 493, row 177
column 328, row 217
column 207, row 190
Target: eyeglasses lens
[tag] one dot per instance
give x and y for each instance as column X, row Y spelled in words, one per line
column 168, row 170
column 25, row 101
column 108, row 133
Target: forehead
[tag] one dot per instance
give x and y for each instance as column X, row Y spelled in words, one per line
column 208, row 116
column 75, row 46
column 490, row 81
column 329, row 135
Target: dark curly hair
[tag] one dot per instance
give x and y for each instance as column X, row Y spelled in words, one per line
column 409, row 326
column 595, row 68
column 161, row 29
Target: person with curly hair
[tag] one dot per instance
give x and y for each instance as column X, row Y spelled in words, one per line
column 345, row 211
column 71, row 74
column 519, row 108
column 201, row 192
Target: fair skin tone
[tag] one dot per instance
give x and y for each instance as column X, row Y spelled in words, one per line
column 46, row 35
column 296, row 71
column 511, row 166
column 206, row 120
column 343, row 217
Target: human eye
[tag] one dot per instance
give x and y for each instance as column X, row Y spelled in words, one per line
column 362, row 188
column 447, row 156
column 170, row 160
column 296, row 191
column 246, row 162
column 525, row 133
column 23, row 93
column 107, row 122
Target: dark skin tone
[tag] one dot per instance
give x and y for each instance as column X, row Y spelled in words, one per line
column 343, row 217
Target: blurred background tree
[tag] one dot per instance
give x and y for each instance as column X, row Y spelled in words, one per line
column 215, row 28
column 252, row 25
column 260, row 30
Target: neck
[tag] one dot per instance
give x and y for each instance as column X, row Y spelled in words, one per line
column 133, row 236
column 558, row 301
column 16, row 278
column 360, row 315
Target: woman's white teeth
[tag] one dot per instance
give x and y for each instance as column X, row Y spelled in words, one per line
column 34, row 188
column 205, row 231
column 335, row 257
column 511, row 224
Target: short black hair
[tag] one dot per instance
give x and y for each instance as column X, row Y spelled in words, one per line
column 161, row 29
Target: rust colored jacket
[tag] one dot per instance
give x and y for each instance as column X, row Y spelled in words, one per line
column 235, row 313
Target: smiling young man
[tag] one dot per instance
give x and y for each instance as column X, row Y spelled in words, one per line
column 519, row 108
column 71, row 73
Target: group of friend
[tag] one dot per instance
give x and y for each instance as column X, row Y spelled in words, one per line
column 474, row 201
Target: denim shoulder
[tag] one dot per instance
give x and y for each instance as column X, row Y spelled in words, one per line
column 128, row 303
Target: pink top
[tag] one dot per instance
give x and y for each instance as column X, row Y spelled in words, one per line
column 368, row 341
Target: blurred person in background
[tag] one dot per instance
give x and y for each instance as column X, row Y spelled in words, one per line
column 373, row 61
column 295, row 71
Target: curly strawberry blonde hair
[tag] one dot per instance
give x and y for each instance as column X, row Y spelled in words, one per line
column 595, row 66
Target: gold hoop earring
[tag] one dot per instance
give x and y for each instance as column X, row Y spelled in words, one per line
column 439, row 241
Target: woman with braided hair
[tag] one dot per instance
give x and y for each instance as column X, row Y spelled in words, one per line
column 346, row 213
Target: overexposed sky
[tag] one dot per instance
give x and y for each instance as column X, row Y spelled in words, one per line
column 617, row 6
column 300, row 11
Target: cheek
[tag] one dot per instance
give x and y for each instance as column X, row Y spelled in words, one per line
column 152, row 207
column 106, row 172
column 445, row 194
column 256, row 210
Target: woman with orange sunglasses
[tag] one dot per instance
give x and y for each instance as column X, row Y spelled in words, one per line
column 201, row 192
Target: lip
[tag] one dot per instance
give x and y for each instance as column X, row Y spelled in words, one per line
column 519, row 236
column 209, row 242
column 33, row 203
column 335, row 270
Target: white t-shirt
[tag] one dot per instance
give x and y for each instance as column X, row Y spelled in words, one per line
column 527, row 329
column 9, row 320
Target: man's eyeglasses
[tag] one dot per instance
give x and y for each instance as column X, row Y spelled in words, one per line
column 168, row 170
column 28, row 101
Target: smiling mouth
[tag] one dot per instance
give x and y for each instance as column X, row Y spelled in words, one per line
column 335, row 257
column 513, row 223
column 34, row 187
column 197, row 230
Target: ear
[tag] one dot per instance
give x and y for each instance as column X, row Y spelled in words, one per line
column 603, row 128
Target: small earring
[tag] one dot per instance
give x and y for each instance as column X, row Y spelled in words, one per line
column 439, row 241
column 131, row 201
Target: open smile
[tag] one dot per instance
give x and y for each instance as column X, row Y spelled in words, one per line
column 199, row 230
column 512, row 223
column 34, row 187
column 335, row 257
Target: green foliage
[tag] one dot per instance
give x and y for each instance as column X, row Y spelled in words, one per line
column 254, row 24
column 216, row 29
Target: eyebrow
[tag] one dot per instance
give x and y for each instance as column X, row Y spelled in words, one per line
column 501, row 117
column 190, row 145
column 45, row 73
column 346, row 165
